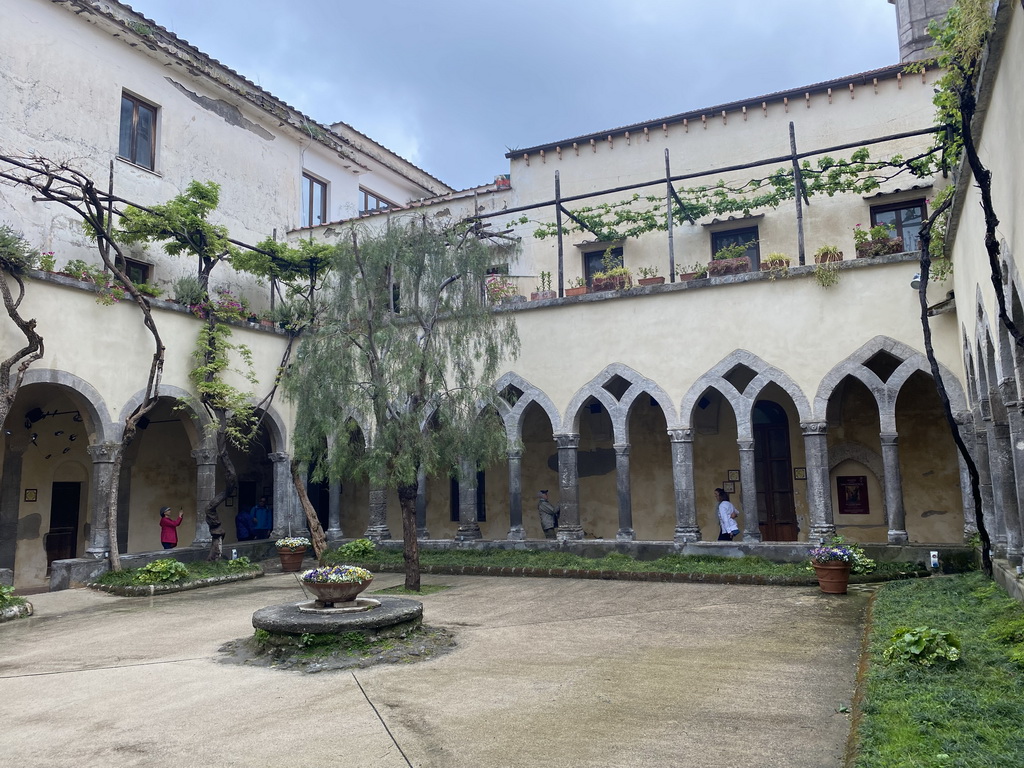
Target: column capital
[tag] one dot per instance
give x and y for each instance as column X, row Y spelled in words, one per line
column 204, row 456
column 745, row 445
column 103, row 453
column 621, row 449
column 278, row 456
column 514, row 454
column 814, row 427
column 680, row 435
column 571, row 440
column 889, row 438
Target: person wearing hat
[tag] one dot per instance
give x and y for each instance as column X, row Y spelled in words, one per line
column 169, row 528
column 548, row 515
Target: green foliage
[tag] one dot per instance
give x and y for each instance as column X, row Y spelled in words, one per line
column 302, row 269
column 969, row 710
column 148, row 289
column 213, row 356
column 239, row 565
column 181, row 225
column 545, row 282
column 827, row 273
column 110, row 291
column 358, row 551
column 734, row 251
column 189, row 291
column 16, row 257
column 194, row 572
column 859, row 561
column 923, row 645
column 8, row 599
column 404, row 341
column 162, row 572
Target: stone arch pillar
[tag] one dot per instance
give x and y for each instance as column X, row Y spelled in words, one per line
column 819, row 492
column 469, row 526
column 206, row 489
column 377, row 527
column 103, row 455
column 516, row 532
column 569, row 487
column 685, row 493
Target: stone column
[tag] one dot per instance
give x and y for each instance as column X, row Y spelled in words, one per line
column 206, row 489
column 893, row 480
column 748, row 475
column 965, row 421
column 124, row 498
column 985, row 480
column 569, row 487
column 469, row 526
column 819, row 488
column 286, row 500
column 377, row 528
column 334, row 532
column 10, row 496
column 682, row 481
column 1005, row 479
column 622, row 490
column 103, row 455
column 1016, row 447
column 421, row 505
column 516, row 532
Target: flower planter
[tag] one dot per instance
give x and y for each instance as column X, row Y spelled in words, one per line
column 329, row 594
column 882, row 247
column 291, row 559
column 651, row 281
column 577, row 291
column 542, row 295
column 768, row 266
column 617, row 283
column 826, row 257
column 720, row 267
column 833, row 576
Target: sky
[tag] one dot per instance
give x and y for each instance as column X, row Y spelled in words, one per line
column 452, row 85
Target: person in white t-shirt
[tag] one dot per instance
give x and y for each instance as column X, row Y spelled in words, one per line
column 727, row 514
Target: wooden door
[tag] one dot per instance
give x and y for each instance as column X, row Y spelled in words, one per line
column 773, row 468
column 61, row 541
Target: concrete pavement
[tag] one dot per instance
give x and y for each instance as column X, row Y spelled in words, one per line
column 548, row 672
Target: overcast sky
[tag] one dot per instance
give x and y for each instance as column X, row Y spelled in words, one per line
column 452, row 85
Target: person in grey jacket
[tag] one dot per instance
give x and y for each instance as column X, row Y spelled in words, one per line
column 548, row 515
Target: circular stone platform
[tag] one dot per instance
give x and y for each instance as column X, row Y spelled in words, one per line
column 394, row 616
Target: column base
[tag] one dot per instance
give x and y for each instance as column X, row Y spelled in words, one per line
column 625, row 534
column 422, row 534
column 686, row 534
column 97, row 553
column 569, row 533
column 468, row 533
column 377, row 533
column 1014, row 557
column 752, row 535
column 334, row 534
column 202, row 542
column 898, row 537
column 516, row 533
column 820, row 534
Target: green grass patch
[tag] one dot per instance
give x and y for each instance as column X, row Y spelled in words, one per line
column 425, row 589
column 165, row 574
column 696, row 564
column 961, row 714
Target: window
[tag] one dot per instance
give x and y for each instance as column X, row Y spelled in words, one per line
column 905, row 219
column 137, row 143
column 314, row 201
column 594, row 262
column 369, row 201
column 137, row 271
column 730, row 237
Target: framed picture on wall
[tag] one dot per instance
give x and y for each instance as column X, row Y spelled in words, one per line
column 729, row 487
column 799, row 473
column 852, row 492
column 734, row 475
column 229, row 502
column 31, row 494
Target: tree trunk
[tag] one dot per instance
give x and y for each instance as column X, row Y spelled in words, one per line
column 410, row 544
column 315, row 529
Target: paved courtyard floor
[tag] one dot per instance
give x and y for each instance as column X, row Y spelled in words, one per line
column 547, row 672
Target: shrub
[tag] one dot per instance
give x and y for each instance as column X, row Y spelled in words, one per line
column 923, row 645
column 163, row 572
column 358, row 551
column 8, row 599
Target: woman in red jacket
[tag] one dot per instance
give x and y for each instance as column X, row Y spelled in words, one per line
column 169, row 528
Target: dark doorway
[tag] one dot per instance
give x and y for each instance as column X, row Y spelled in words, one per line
column 320, row 497
column 61, row 541
column 776, row 513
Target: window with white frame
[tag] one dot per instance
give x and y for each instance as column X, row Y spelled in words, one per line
column 137, row 137
column 314, row 201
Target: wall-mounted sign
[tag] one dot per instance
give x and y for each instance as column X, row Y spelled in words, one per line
column 852, row 491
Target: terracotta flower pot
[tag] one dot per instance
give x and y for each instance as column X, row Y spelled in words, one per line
column 828, row 257
column 291, row 559
column 719, row 267
column 577, row 291
column 833, row 576
column 651, row 280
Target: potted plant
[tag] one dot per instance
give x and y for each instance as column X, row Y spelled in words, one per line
column 615, row 279
column 336, row 583
column 776, row 265
column 827, row 273
column 827, row 253
column 693, row 272
column 291, row 550
column 577, row 287
column 187, row 290
column 649, row 276
column 730, row 260
column 544, row 289
column 878, row 241
column 832, row 567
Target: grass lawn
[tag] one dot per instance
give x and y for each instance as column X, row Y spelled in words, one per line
column 964, row 714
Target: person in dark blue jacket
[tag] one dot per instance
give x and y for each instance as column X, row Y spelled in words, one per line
column 245, row 525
